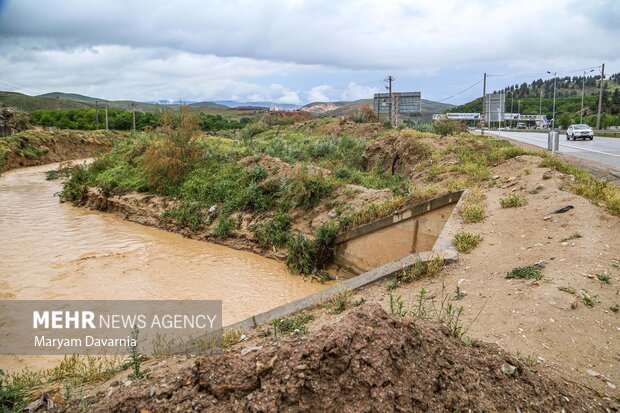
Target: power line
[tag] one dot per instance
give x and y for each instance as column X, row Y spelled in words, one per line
column 461, row 92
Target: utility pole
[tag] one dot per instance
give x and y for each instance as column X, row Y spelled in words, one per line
column 512, row 101
column 106, row 117
column 555, row 83
column 389, row 81
column 97, row 114
column 600, row 99
column 583, row 92
column 484, row 95
column 132, row 105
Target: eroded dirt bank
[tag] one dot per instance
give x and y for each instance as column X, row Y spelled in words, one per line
column 37, row 147
column 368, row 361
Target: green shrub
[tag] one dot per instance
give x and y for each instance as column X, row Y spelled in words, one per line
column 12, row 397
column 224, row 228
column 447, row 127
column 300, row 257
column 75, row 188
column 513, row 201
column 473, row 212
column 324, row 244
column 187, row 213
column 275, row 231
column 306, row 189
column 466, row 241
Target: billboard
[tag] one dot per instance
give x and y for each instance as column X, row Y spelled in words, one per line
column 405, row 103
column 493, row 107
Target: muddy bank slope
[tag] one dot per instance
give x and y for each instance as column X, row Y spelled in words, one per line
column 368, row 361
column 36, row 147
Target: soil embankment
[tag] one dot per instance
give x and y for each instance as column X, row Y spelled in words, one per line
column 36, row 147
column 368, row 361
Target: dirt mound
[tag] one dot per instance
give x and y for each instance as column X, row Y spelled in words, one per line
column 397, row 153
column 339, row 127
column 279, row 169
column 369, row 361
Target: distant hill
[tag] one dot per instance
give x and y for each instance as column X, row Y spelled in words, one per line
column 209, row 105
column 429, row 107
column 236, row 104
column 29, row 103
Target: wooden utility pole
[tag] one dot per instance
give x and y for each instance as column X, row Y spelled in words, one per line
column 133, row 114
column 389, row 81
column 106, row 117
column 600, row 98
column 97, row 113
column 484, row 112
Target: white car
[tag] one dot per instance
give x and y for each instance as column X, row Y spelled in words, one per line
column 579, row 131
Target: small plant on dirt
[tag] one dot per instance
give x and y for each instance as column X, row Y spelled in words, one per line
column 587, row 299
column 421, row 269
column 324, row 244
column 338, row 303
column 291, row 325
column 513, row 201
column 466, row 241
column 568, row 289
column 224, row 228
column 473, row 212
column 12, row 398
column 397, row 306
column 615, row 308
column 458, row 293
column 603, row 277
column 230, row 337
column 359, row 302
column 614, row 265
column 571, row 237
column 530, row 272
column 135, row 358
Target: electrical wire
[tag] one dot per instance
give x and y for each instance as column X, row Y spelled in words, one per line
column 461, row 92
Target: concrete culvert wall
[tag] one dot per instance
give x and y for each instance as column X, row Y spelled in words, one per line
column 388, row 239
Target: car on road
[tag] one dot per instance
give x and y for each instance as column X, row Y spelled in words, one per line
column 579, row 131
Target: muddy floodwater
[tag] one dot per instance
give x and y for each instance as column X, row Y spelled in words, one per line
column 50, row 250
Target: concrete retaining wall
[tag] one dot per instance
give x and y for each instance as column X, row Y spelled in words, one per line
column 443, row 247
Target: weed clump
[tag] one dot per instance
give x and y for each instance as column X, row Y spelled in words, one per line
column 187, row 213
column 513, row 201
column 466, row 241
column 309, row 256
column 473, row 212
column 275, row 232
column 340, row 302
column 531, row 272
column 12, row 397
column 291, row 325
column 224, row 227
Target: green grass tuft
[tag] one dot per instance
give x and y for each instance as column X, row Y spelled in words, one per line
column 513, row 201
column 466, row 241
column 531, row 272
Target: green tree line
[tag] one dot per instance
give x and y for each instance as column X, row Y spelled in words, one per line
column 86, row 119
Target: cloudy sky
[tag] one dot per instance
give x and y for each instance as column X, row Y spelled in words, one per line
column 297, row 51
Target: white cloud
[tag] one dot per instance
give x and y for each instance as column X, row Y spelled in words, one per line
column 355, row 92
column 320, row 93
column 219, row 49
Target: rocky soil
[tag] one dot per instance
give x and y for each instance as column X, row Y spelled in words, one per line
column 368, row 361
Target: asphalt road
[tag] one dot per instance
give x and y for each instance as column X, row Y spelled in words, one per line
column 602, row 150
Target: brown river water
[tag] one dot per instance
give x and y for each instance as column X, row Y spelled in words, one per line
column 50, row 250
